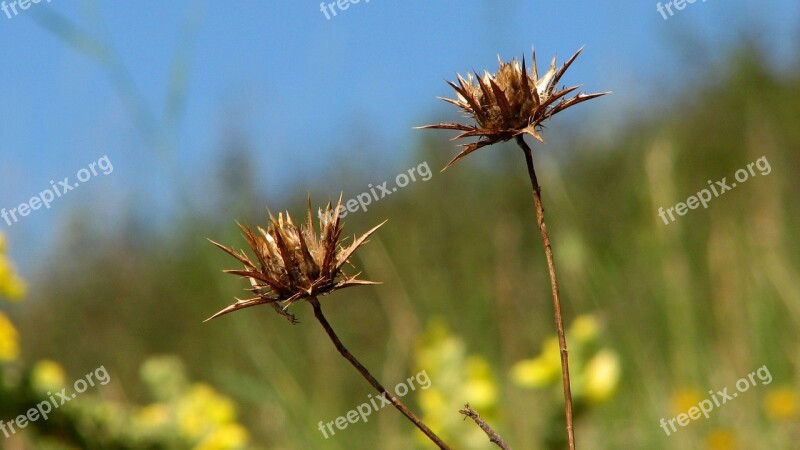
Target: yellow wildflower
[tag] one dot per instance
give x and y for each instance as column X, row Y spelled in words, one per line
column 47, row 376
column 11, row 286
column 781, row 403
column 202, row 409
column 585, row 329
column 228, row 437
column 684, row 399
column 541, row 371
column 457, row 378
column 154, row 415
column 9, row 340
column 602, row 376
column 479, row 389
column 721, row 439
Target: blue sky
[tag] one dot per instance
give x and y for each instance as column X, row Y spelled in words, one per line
column 301, row 86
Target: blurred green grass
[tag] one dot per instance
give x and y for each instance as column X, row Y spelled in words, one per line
column 693, row 305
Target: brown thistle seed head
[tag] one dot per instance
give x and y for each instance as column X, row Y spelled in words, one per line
column 293, row 263
column 509, row 103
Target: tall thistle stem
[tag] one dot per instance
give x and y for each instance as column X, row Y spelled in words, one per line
column 368, row 376
column 548, row 251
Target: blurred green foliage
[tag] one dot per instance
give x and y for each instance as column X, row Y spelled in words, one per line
column 40, row 409
column 688, row 307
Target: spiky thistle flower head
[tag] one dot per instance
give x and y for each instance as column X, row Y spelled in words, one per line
column 510, row 103
column 293, row 263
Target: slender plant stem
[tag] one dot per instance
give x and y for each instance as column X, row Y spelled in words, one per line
column 493, row 436
column 548, row 251
column 365, row 373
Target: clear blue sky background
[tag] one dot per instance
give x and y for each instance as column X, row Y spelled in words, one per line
column 302, row 86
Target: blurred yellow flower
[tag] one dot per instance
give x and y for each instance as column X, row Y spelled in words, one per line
column 585, row 329
column 432, row 400
column 479, row 389
column 153, row 416
column 456, row 379
column 440, row 348
column 595, row 370
column 228, row 437
column 602, row 376
column 15, row 289
column 683, row 399
column 196, row 414
column 11, row 285
column 541, row 371
column 780, row 403
column 47, row 376
column 721, row 439
column 202, row 409
column 535, row 373
column 9, row 340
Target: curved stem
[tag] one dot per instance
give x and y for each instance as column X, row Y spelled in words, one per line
column 365, row 373
column 548, row 251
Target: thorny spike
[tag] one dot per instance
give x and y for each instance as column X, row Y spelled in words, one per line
column 511, row 102
column 296, row 263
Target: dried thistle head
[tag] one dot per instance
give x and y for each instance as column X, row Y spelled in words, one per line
column 509, row 103
column 293, row 263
